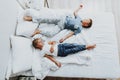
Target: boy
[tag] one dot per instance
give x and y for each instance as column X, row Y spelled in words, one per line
column 51, row 48
column 73, row 24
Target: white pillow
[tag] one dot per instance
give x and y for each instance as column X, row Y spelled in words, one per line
column 21, row 54
column 42, row 65
column 23, row 3
column 26, row 28
column 26, row 12
column 36, row 4
column 33, row 4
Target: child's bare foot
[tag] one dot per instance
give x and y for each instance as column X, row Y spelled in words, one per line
column 37, row 31
column 90, row 46
column 27, row 18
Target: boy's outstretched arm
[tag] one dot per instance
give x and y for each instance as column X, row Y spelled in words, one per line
column 66, row 37
column 53, row 60
column 77, row 10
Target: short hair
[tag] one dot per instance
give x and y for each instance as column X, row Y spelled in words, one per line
column 35, row 42
column 90, row 24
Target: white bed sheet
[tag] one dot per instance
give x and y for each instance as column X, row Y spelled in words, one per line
column 105, row 58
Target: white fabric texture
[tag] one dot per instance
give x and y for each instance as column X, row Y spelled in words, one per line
column 21, row 54
column 49, row 30
column 24, row 58
column 36, row 4
column 23, row 3
column 44, row 15
column 33, row 4
column 41, row 66
column 104, row 35
column 26, row 28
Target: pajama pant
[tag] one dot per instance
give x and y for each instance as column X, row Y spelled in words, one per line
column 68, row 48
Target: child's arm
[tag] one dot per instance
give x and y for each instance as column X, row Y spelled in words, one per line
column 77, row 10
column 52, row 42
column 53, row 60
column 66, row 37
column 52, row 48
column 37, row 31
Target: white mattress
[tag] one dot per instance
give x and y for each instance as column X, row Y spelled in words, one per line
column 105, row 59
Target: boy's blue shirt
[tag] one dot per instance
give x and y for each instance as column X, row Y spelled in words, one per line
column 73, row 24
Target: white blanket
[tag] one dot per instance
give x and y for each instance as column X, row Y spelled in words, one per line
column 105, row 60
column 80, row 58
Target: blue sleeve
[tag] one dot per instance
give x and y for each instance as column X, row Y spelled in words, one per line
column 78, row 18
column 78, row 25
column 77, row 31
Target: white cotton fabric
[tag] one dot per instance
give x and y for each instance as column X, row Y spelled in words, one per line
column 41, row 66
column 44, row 15
column 36, row 4
column 26, row 28
column 21, row 54
column 103, row 61
column 49, row 30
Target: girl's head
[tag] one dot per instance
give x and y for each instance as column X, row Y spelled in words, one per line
column 37, row 43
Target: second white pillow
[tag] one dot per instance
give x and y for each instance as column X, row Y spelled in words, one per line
column 26, row 28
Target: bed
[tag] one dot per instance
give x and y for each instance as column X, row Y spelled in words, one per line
column 104, row 59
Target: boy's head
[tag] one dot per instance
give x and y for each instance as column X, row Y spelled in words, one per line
column 37, row 43
column 86, row 23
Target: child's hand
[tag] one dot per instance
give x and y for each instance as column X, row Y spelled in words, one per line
column 58, row 64
column 37, row 31
column 52, row 42
column 61, row 40
column 81, row 6
column 51, row 49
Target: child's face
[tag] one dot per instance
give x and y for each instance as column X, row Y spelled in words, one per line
column 39, row 44
column 85, row 22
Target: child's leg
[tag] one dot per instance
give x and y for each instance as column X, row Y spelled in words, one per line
column 77, row 10
column 73, row 48
column 66, row 49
